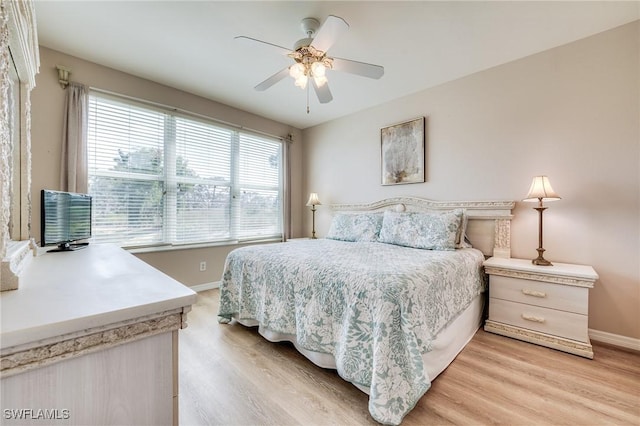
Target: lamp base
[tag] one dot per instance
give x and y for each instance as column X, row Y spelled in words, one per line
column 541, row 261
column 313, row 222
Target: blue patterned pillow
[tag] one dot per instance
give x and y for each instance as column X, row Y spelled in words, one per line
column 355, row 227
column 432, row 231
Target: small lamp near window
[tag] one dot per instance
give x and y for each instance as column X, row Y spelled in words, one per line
column 541, row 191
column 313, row 202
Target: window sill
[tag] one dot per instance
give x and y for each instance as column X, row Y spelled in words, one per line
column 153, row 249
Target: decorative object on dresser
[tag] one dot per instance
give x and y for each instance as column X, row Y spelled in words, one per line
column 313, row 202
column 541, row 191
column 544, row 305
column 402, row 152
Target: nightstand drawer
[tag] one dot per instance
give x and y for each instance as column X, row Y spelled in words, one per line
column 568, row 325
column 547, row 295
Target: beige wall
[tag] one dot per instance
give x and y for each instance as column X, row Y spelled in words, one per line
column 47, row 106
column 571, row 113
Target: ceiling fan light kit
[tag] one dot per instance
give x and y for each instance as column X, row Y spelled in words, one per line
column 311, row 60
column 310, row 63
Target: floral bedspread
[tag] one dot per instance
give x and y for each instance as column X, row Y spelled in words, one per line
column 375, row 307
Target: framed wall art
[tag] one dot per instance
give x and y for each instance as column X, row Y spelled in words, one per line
column 402, row 152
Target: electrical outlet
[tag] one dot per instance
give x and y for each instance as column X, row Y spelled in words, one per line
column 203, row 266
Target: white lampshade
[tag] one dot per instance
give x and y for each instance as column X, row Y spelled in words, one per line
column 318, row 69
column 313, row 200
column 296, row 70
column 541, row 190
column 301, row 81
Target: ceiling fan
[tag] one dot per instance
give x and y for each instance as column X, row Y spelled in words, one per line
column 310, row 58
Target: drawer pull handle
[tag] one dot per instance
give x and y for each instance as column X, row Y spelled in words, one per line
column 532, row 318
column 533, row 293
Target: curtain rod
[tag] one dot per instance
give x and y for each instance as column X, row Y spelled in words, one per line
column 183, row 111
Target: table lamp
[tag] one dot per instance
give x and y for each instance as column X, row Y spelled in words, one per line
column 313, row 202
column 541, row 191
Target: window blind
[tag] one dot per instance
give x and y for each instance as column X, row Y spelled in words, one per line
column 158, row 178
column 259, row 187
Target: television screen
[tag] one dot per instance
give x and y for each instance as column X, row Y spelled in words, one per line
column 65, row 219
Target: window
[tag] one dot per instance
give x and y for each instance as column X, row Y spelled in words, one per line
column 158, row 177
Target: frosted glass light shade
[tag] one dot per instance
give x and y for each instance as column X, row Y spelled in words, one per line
column 318, row 69
column 541, row 189
column 301, row 81
column 296, row 70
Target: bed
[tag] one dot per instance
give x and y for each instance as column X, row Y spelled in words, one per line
column 388, row 299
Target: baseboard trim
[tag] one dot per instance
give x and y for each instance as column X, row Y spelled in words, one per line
column 615, row 339
column 206, row 286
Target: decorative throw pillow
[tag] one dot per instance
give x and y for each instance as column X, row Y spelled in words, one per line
column 432, row 231
column 355, row 227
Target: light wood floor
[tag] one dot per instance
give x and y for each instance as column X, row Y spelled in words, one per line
column 230, row 375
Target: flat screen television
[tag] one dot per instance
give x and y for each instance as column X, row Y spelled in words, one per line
column 65, row 220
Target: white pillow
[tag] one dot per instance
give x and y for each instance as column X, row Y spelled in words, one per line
column 424, row 230
column 355, row 227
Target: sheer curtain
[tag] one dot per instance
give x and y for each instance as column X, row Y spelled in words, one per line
column 73, row 167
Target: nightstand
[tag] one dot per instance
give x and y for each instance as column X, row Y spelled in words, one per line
column 546, row 305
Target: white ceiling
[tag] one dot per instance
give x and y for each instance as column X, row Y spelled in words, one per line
column 190, row 45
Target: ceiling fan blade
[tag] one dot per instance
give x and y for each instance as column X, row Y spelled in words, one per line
column 358, row 68
column 323, row 92
column 254, row 41
column 272, row 80
column 329, row 32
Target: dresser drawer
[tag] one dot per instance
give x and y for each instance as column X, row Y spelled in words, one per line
column 568, row 325
column 562, row 297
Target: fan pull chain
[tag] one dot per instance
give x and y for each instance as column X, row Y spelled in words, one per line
column 308, row 98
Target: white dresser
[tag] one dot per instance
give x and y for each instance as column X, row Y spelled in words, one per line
column 546, row 305
column 91, row 337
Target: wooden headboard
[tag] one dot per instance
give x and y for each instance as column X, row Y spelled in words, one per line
column 488, row 227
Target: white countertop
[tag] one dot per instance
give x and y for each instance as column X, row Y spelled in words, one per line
column 69, row 292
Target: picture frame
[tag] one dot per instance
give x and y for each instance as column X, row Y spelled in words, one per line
column 402, row 152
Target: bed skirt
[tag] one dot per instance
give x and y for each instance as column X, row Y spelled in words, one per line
column 447, row 345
